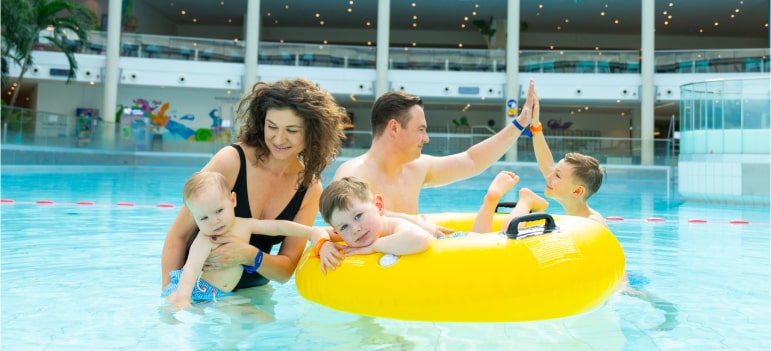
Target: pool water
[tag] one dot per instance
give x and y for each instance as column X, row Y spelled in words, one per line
column 87, row 276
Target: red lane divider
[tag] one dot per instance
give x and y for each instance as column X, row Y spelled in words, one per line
column 167, row 205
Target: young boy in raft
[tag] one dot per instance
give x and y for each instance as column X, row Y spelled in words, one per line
column 212, row 206
column 571, row 182
column 358, row 217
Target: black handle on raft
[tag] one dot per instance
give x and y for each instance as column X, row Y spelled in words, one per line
column 513, row 229
column 505, row 205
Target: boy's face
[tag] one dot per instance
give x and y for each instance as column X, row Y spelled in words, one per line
column 361, row 224
column 559, row 184
column 213, row 211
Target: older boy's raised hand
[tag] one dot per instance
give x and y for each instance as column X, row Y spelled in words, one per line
column 536, row 108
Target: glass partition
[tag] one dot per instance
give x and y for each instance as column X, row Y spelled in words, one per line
column 726, row 116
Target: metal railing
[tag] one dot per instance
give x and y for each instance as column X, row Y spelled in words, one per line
column 134, row 134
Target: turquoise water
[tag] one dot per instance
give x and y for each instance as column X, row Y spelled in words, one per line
column 87, row 277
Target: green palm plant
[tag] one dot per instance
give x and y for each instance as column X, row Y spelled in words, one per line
column 24, row 20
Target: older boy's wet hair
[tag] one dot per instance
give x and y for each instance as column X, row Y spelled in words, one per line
column 339, row 194
column 587, row 170
column 392, row 105
column 201, row 181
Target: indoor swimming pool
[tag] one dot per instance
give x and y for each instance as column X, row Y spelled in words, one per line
column 81, row 249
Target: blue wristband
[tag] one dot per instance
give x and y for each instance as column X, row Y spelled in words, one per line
column 257, row 263
column 521, row 128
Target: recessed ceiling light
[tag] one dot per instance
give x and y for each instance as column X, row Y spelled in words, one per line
column 368, row 23
column 717, row 24
column 318, row 15
column 350, row 9
column 183, row 12
column 460, row 45
column 414, row 4
column 602, row 13
column 474, row 13
column 414, row 17
column 463, row 25
column 616, row 22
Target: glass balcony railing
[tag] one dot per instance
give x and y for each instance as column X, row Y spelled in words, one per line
column 434, row 59
column 26, row 130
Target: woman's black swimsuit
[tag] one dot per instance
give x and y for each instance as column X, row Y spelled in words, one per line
column 262, row 242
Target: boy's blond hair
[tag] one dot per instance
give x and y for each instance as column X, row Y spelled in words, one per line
column 339, row 193
column 586, row 171
column 203, row 180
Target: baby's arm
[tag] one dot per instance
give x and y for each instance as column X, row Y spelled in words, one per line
column 328, row 253
column 199, row 250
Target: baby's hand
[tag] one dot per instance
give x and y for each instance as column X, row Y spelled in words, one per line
column 178, row 302
column 330, row 256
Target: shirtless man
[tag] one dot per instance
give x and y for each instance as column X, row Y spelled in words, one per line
column 396, row 169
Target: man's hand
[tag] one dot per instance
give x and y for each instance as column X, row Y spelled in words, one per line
column 436, row 230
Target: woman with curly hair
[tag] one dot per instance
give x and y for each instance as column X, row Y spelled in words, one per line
column 291, row 130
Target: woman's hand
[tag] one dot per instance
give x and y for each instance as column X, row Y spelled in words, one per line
column 230, row 251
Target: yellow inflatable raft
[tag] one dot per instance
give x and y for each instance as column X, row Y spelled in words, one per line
column 571, row 268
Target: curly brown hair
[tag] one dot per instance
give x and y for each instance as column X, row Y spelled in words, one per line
column 324, row 120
